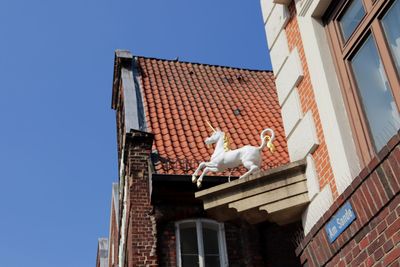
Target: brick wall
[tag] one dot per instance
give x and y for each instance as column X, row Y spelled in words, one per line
column 141, row 232
column 307, row 101
column 373, row 239
column 242, row 239
column 167, row 244
column 166, row 216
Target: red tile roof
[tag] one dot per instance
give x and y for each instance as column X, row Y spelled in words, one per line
column 179, row 98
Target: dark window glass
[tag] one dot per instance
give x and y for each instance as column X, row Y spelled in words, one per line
column 391, row 25
column 351, row 18
column 190, row 261
column 212, row 261
column 379, row 106
column 210, row 241
column 189, row 250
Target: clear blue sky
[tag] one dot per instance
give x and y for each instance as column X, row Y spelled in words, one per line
column 57, row 137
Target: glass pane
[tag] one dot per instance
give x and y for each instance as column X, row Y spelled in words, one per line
column 210, row 239
column 351, row 18
column 379, row 106
column 190, row 261
column 212, row 261
column 188, row 236
column 391, row 25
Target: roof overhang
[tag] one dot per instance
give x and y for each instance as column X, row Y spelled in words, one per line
column 178, row 189
column 278, row 195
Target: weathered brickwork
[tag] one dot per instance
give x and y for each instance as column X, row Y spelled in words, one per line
column 373, row 239
column 242, row 239
column 141, row 232
column 307, row 100
column 167, row 244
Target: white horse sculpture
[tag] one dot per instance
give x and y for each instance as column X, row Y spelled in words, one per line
column 224, row 158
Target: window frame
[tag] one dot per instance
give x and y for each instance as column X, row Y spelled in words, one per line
column 223, row 256
column 343, row 51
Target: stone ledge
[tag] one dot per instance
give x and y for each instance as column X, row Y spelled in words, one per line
column 279, row 195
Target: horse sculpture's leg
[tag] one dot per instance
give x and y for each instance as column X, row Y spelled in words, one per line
column 196, row 172
column 251, row 169
column 206, row 170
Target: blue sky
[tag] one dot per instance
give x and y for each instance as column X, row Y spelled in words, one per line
column 57, row 137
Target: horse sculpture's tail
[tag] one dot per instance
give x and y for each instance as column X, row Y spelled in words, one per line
column 270, row 139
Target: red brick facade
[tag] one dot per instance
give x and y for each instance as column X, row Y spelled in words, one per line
column 141, row 232
column 373, row 239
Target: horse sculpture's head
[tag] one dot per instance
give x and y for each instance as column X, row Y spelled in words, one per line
column 214, row 137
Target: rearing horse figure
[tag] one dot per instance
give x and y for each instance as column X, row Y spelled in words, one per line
column 223, row 158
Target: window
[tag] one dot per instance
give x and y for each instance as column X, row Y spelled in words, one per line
column 200, row 243
column 365, row 39
column 391, row 22
column 351, row 18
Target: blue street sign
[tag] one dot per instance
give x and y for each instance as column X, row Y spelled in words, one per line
column 340, row 221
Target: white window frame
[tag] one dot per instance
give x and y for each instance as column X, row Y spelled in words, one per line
column 223, row 256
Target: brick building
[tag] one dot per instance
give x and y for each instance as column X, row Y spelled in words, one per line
column 343, row 96
column 329, row 196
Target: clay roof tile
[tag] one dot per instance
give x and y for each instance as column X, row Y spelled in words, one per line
column 179, row 98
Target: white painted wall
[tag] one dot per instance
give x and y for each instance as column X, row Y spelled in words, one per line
column 279, row 52
column 303, row 140
column 276, row 21
column 317, row 208
column 290, row 76
column 291, row 112
column 312, row 178
column 266, row 8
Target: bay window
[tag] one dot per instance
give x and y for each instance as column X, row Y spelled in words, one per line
column 364, row 37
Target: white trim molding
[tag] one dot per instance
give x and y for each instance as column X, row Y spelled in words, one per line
column 312, row 8
column 290, row 76
column 302, row 6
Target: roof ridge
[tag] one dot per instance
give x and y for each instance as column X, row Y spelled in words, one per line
column 199, row 63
